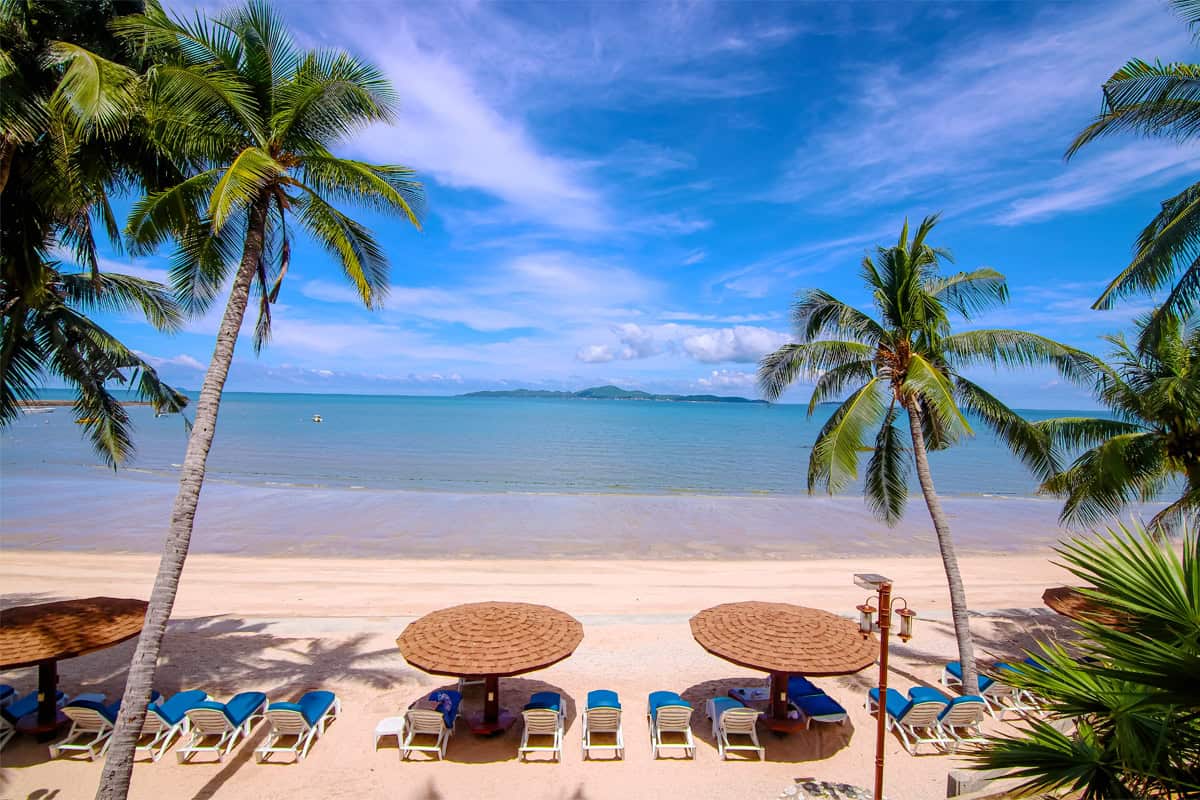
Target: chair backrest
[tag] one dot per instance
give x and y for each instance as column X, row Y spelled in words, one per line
column 153, row 723
column 287, row 721
column 922, row 714
column 675, row 719
column 87, row 719
column 209, row 720
column 603, row 720
column 963, row 711
column 540, row 720
column 425, row 720
column 739, row 720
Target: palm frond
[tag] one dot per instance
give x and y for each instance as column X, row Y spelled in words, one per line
column 1031, row 444
column 1104, row 479
column 933, row 388
column 383, row 188
column 1012, row 348
column 245, row 179
column 886, row 484
column 362, row 259
column 834, row 458
column 94, row 94
column 110, row 291
column 818, row 314
column 969, row 293
column 833, row 383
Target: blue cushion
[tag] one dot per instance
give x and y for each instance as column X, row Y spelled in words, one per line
column 818, row 705
column 115, row 708
column 24, row 706
column 659, row 699
column 603, row 698
column 955, row 669
column 1033, row 662
column 897, row 705
column 548, row 700
column 967, row 699
column 723, row 704
column 109, row 712
column 798, row 686
column 239, row 708
column 924, row 694
column 312, row 706
column 448, row 702
column 173, row 710
column 6, row 691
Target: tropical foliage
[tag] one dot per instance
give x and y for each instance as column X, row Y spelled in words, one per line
column 255, row 118
column 1123, row 707
column 905, row 366
column 1158, row 100
column 1152, row 441
column 69, row 137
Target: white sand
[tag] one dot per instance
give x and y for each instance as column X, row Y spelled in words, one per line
column 287, row 625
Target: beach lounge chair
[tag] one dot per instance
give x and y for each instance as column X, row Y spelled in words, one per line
column 7, row 694
column 544, row 719
column 961, row 718
column 304, row 721
column 166, row 720
column 16, row 708
column 915, row 719
column 602, row 716
column 999, row 696
column 226, row 722
column 92, row 724
column 669, row 715
column 813, row 704
column 426, row 722
column 731, row 718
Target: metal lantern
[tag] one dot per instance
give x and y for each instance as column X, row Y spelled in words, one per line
column 907, row 615
column 866, row 617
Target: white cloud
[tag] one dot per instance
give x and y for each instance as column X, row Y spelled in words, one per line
column 742, row 343
column 728, row 379
column 595, row 354
column 694, row 257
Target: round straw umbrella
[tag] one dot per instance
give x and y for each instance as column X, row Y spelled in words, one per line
column 490, row 641
column 784, row 640
column 44, row 634
column 1070, row 602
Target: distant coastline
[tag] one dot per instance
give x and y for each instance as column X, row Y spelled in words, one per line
column 613, row 393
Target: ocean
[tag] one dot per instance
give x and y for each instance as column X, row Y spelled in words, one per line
column 457, row 444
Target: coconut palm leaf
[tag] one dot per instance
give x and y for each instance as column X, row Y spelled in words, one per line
column 886, row 488
column 1032, row 445
column 834, row 458
column 970, row 293
column 818, row 314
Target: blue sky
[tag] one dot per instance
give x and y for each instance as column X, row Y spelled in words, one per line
column 632, row 193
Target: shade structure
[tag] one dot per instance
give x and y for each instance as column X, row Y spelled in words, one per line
column 490, row 641
column 1070, row 602
column 784, row 640
column 46, row 633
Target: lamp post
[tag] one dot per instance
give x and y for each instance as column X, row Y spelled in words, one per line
column 866, row 624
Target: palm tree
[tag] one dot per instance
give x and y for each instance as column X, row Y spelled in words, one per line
column 1124, row 708
column 1152, row 439
column 69, row 135
column 256, row 115
column 907, row 363
column 1158, row 100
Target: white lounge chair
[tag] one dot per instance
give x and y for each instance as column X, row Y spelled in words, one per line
column 224, row 722
column 914, row 718
column 668, row 714
column 164, row 721
column 303, row 721
column 602, row 716
column 18, row 707
column 92, row 725
column 999, row 696
column 544, row 718
column 426, row 722
column 731, row 718
column 960, row 722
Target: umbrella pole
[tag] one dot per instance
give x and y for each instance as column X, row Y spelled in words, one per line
column 47, row 694
column 491, row 699
column 779, row 704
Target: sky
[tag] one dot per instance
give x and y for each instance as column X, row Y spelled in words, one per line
column 634, row 193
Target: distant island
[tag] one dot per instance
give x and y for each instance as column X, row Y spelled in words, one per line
column 613, row 393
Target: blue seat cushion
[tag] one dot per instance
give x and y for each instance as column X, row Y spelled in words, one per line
column 115, row 707
column 924, row 694
column 448, row 701
column 967, row 699
column 6, row 691
column 818, row 705
column 109, row 712
column 24, row 706
column 239, row 708
column 547, row 700
column 657, row 700
column 955, row 669
column 603, row 698
column 312, row 706
column 798, row 686
column 723, row 704
column 897, row 705
column 172, row 711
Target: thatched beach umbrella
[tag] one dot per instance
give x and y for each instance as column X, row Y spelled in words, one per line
column 490, row 641
column 784, row 640
column 46, row 633
column 1070, row 602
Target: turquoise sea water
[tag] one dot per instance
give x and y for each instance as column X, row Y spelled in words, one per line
column 495, row 445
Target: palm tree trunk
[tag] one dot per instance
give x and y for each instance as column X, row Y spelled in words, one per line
column 958, row 595
column 118, row 767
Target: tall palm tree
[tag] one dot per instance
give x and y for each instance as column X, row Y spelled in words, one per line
column 1158, row 100
column 907, row 363
column 1153, row 439
column 258, row 116
column 69, row 135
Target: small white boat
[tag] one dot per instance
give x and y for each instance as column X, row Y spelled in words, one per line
column 317, row 418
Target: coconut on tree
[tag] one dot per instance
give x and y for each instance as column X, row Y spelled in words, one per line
column 255, row 116
column 898, row 377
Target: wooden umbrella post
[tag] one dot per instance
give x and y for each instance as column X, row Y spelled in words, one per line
column 491, row 699
column 47, row 711
column 779, row 703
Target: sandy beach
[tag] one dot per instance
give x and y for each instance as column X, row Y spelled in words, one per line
column 284, row 625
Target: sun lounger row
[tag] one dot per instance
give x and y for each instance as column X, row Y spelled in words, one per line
column 202, row 725
column 926, row 716
column 998, row 695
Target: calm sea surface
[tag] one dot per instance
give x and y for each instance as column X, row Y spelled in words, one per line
column 495, row 445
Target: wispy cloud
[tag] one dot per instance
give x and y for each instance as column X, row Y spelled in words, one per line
column 741, row 343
